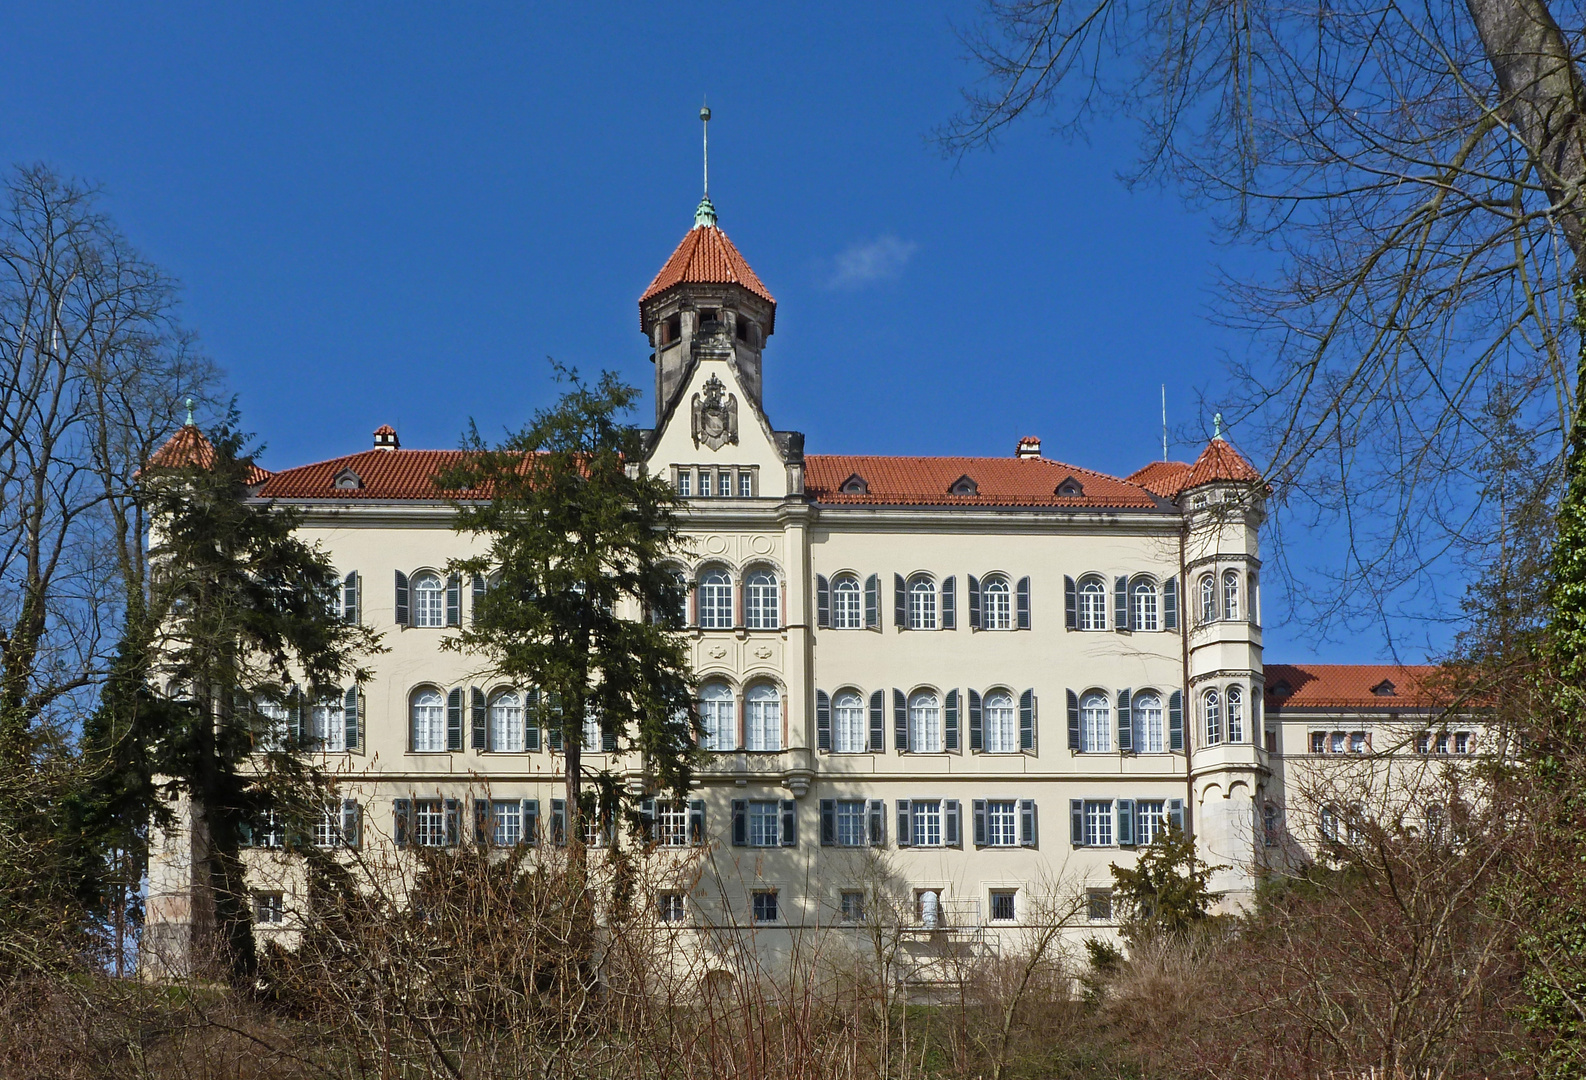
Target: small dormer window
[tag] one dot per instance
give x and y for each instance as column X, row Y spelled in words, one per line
column 855, row 485
column 1281, row 689
column 347, row 480
column 964, row 485
column 1385, row 688
column 1070, row 489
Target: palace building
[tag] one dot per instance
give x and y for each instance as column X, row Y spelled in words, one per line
column 999, row 675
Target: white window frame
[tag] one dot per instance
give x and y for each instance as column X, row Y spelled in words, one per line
column 999, row 717
column 427, row 720
column 762, row 600
column 715, row 599
column 327, row 827
column 275, row 716
column 671, row 823
column 1208, row 591
column 852, row 823
column 429, row 823
column 992, row 896
column 1150, row 820
column 763, row 823
column 1212, row 716
column 506, row 822
column 921, row 592
column 850, row 733
column 1095, row 722
column 1231, row 595
column 926, row 823
column 330, row 725
column 1234, row 713
column 848, row 607
column 507, row 728
column 925, row 722
column 1100, row 822
column 718, row 712
column 756, row 913
column 1150, row 723
column 670, row 906
column 1002, row 823
column 429, row 600
column 1092, row 603
column 996, row 604
column 762, row 706
column 1145, row 600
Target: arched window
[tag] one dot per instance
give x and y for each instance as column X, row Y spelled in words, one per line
column 1212, row 710
column 1208, row 598
column 506, row 722
column 996, row 605
column 922, row 602
column 592, row 732
column 676, row 613
column 330, row 725
column 719, row 716
column 1146, row 710
column 763, row 718
column 429, row 720
column 1095, row 723
column 848, row 722
column 715, row 599
column 762, row 601
column 1231, row 595
column 1001, row 723
column 847, row 612
column 925, row 723
column 1093, row 604
column 1236, row 714
column 1253, row 600
column 1145, row 605
column 429, row 600
column 273, row 716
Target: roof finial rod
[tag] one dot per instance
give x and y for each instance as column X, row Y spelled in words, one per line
column 1217, row 426
column 705, row 213
column 189, row 403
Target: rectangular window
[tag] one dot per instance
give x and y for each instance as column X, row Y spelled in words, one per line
column 268, row 909
column 1272, row 824
column 506, row 723
column 685, row 482
column 763, row 707
column 850, row 735
column 330, row 727
column 1442, row 742
column 724, row 483
column 1002, row 909
column 1357, row 742
column 1336, row 744
column 1318, row 742
column 746, row 484
column 1001, row 724
column 925, row 724
column 1150, row 819
column 852, row 907
column 1423, row 743
column 707, row 483
column 763, row 906
column 851, row 819
column 429, row 823
column 272, row 830
column 765, row 820
column 506, row 823
column 1461, row 742
column 671, row 823
column 327, row 827
column 1098, row 905
column 1098, row 824
column 1002, row 823
column 669, row 907
column 927, row 814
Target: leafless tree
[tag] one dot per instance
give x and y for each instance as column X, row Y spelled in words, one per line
column 1409, row 176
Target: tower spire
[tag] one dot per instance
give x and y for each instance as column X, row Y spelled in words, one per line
column 705, row 213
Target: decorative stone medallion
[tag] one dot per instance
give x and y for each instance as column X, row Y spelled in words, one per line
column 715, row 416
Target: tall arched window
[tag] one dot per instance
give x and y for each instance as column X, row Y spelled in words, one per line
column 847, row 609
column 715, row 599
column 1145, row 605
column 1253, row 600
column 1208, row 598
column 330, row 726
column 1231, row 595
column 1149, row 736
column 1001, row 723
column 592, row 732
column 1212, row 709
column 429, row 600
column 675, row 614
column 1095, row 723
column 762, row 718
column 719, row 716
column 506, row 722
column 762, row 601
column 925, row 723
column 922, row 602
column 1093, row 604
column 1236, row 714
column 429, row 721
column 996, row 605
column 848, row 723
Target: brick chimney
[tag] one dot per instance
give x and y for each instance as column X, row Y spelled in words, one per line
column 385, row 438
column 1029, row 447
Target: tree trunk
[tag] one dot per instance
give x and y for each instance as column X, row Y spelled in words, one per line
column 1542, row 98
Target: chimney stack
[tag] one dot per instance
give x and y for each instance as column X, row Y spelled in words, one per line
column 385, row 438
column 1029, row 447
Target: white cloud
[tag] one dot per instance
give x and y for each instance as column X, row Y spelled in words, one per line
column 866, row 263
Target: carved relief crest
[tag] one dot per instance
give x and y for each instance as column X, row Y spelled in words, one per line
column 715, row 415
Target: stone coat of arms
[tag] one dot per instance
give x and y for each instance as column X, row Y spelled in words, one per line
column 715, row 415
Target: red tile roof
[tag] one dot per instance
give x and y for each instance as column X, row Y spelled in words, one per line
column 189, row 447
column 1164, row 478
column 385, row 474
column 1368, row 687
column 925, row 481
column 706, row 257
column 1219, row 461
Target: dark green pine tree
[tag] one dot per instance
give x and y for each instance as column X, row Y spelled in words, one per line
column 574, row 529
column 1168, row 890
column 247, row 628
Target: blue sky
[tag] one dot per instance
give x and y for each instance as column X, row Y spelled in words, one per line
column 394, row 213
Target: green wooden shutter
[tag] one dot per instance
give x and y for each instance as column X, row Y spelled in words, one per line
column 531, row 720
column 740, row 822
column 1073, row 721
column 905, row 824
column 403, row 612
column 1022, row 603
column 608, row 742
column 351, row 823
column 454, row 812
column 1120, row 604
column 1027, row 823
column 900, row 721
column 828, row 822
column 352, row 725
column 1070, row 604
column 952, row 834
column 1027, row 720
column 823, row 603
column 823, row 720
column 900, row 602
column 950, row 722
column 559, row 822
column 1076, row 822
column 978, row 809
column 878, row 822
column 454, row 600
column 1170, row 604
column 402, row 822
column 478, row 590
column 483, row 833
column 1126, row 823
column 1175, row 721
column 790, row 823
column 878, row 722
column 696, row 821
column 480, row 733
column 1125, row 723
column 349, row 598
column 531, row 821
column 1175, row 813
column 974, row 602
column 454, row 719
column 949, row 603
column 873, row 602
column 976, row 733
